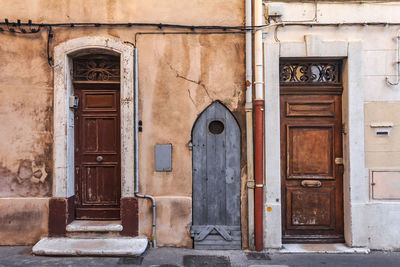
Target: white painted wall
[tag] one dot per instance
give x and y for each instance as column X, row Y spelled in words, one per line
column 371, row 56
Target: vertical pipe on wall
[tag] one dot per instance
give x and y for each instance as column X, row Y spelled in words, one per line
column 258, row 173
column 249, row 126
column 397, row 62
column 259, row 128
column 137, row 194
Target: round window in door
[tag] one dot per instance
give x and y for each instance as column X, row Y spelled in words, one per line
column 216, row 127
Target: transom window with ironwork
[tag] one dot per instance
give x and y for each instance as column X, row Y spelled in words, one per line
column 97, row 68
column 301, row 72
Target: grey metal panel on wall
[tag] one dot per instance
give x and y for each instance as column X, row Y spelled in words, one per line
column 216, row 179
column 163, row 158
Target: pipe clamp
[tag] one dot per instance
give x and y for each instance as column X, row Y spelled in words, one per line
column 250, row 184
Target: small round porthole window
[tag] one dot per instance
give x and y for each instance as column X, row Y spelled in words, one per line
column 216, row 127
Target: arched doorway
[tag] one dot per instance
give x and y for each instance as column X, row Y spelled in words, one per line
column 62, row 203
column 216, row 179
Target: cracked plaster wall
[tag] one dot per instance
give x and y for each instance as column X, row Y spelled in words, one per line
column 180, row 75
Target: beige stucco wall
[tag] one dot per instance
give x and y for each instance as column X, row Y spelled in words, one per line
column 179, row 76
column 23, row 221
column 373, row 218
column 25, row 117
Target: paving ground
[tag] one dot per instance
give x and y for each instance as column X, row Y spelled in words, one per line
column 172, row 257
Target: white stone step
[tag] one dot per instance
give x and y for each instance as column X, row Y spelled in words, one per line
column 122, row 246
column 94, row 226
column 334, row 248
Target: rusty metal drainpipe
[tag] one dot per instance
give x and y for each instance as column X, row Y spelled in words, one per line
column 258, row 172
column 249, row 125
column 258, row 129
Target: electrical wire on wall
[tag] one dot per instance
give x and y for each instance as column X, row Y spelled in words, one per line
column 19, row 27
column 32, row 28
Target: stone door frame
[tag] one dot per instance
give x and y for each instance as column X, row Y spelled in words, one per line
column 63, row 146
column 355, row 176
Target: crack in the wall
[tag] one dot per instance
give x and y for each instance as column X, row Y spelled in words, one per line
column 191, row 99
column 206, row 90
column 192, row 81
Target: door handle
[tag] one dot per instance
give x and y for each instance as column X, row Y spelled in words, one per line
column 339, row 161
column 311, row 183
column 99, row 158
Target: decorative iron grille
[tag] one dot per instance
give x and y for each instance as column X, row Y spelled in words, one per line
column 97, row 68
column 310, row 73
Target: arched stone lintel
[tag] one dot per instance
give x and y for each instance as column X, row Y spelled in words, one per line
column 63, row 144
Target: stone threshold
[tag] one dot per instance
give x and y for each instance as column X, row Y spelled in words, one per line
column 123, row 246
column 336, row 248
column 94, row 226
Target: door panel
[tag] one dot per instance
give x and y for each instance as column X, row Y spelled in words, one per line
column 310, row 109
column 101, row 133
column 97, row 153
column 310, row 151
column 96, row 181
column 310, row 208
column 312, row 184
column 99, row 101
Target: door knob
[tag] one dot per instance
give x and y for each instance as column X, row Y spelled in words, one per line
column 99, row 158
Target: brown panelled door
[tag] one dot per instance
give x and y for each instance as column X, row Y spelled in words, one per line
column 311, row 151
column 97, row 146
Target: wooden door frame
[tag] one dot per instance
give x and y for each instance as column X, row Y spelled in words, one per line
column 63, row 144
column 355, row 182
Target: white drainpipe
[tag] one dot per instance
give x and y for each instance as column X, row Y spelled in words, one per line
column 249, row 126
column 137, row 194
column 258, row 71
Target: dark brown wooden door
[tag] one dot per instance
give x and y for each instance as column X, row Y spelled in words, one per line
column 97, row 152
column 312, row 183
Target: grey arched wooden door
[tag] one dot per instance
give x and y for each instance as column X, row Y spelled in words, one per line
column 216, row 180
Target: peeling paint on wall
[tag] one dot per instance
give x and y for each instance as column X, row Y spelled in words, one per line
column 179, row 74
column 31, row 179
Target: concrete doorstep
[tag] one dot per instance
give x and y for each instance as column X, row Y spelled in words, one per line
column 337, row 248
column 94, row 226
column 121, row 246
